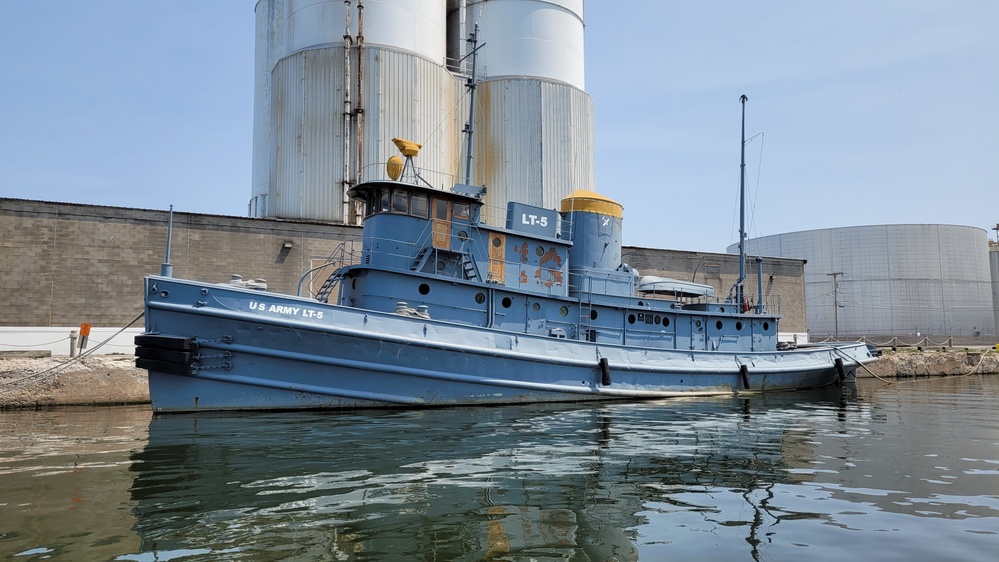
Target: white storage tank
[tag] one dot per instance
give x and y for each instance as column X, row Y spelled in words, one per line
column 534, row 122
column 879, row 281
column 303, row 149
column 538, row 38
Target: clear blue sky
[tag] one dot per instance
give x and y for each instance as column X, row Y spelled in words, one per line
column 872, row 112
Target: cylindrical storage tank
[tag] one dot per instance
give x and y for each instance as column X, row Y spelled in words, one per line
column 417, row 27
column 305, row 153
column 534, row 142
column 538, row 38
column 594, row 225
column 879, row 281
column 533, row 120
column 269, row 46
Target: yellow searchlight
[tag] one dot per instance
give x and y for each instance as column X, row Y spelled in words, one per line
column 395, row 166
column 407, row 148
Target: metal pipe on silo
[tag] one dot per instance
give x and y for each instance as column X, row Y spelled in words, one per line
column 346, row 111
column 359, row 108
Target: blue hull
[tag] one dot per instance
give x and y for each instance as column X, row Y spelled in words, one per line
column 251, row 350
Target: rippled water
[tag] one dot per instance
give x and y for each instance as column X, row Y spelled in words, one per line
column 880, row 472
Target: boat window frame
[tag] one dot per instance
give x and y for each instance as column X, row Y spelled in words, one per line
column 384, row 200
column 437, row 203
column 413, row 198
column 461, row 210
column 400, row 201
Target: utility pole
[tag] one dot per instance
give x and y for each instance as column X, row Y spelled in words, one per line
column 835, row 277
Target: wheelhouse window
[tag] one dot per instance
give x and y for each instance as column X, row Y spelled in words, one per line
column 460, row 211
column 400, row 201
column 383, row 201
column 419, row 205
column 440, row 209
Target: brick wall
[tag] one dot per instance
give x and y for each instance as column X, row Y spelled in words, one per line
column 62, row 264
column 782, row 277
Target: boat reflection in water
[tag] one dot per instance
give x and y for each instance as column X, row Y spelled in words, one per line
column 544, row 482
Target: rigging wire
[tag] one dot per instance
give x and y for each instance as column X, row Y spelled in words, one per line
column 752, row 197
column 430, row 136
column 51, row 372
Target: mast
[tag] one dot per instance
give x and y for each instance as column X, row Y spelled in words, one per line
column 166, row 268
column 473, row 40
column 740, row 284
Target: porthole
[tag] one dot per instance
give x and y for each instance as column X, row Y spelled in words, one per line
column 480, row 298
column 441, row 265
column 536, row 306
column 563, row 310
column 718, row 325
column 738, row 326
column 631, row 318
column 722, row 309
column 766, row 326
column 659, row 319
column 665, row 321
column 424, row 288
column 697, row 323
column 640, row 303
column 593, row 315
column 540, row 251
column 506, row 302
column 462, row 235
column 497, row 242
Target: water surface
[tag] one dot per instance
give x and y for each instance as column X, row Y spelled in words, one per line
column 876, row 472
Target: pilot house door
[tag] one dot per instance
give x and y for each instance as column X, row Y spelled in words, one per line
column 441, row 225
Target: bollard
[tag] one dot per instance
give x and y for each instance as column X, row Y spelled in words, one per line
column 72, row 342
column 84, row 334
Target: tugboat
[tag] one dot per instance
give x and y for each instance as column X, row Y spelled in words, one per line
column 435, row 307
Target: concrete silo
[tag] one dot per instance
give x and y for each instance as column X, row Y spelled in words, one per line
column 335, row 81
column 534, row 121
column 929, row 280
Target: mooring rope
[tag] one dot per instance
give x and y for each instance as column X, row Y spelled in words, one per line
column 35, row 378
column 873, row 374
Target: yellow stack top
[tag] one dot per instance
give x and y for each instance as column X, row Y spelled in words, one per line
column 592, row 202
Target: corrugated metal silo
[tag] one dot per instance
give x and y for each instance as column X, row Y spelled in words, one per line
column 304, row 150
column 534, row 122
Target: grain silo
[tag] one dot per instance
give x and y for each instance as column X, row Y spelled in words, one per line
column 337, row 80
column 878, row 281
column 534, row 121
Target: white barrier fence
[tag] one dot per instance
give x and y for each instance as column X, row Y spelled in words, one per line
column 59, row 340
